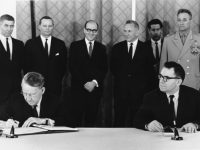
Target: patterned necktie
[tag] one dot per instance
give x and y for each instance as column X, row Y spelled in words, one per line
column 90, row 48
column 171, row 104
column 46, row 46
column 35, row 113
column 130, row 50
column 157, row 52
column 8, row 48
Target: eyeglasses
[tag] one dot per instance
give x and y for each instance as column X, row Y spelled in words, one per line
column 91, row 30
column 166, row 78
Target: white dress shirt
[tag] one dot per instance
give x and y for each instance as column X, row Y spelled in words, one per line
column 175, row 99
column 153, row 45
column 134, row 46
column 88, row 44
column 48, row 42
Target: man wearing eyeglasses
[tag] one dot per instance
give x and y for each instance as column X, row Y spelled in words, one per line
column 173, row 104
column 33, row 105
column 88, row 67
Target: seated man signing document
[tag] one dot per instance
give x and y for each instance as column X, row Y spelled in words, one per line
column 33, row 105
column 171, row 105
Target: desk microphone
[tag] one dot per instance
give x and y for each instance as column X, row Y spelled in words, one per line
column 176, row 134
column 12, row 133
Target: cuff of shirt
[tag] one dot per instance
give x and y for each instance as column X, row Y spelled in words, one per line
column 146, row 127
column 95, row 81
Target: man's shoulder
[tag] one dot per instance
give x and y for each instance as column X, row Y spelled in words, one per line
column 57, row 39
column 121, row 43
column 78, row 42
column 33, row 40
column 17, row 41
column 186, row 90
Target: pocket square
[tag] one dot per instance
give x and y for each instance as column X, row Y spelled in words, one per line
column 56, row 54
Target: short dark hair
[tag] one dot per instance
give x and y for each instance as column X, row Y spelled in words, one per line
column 136, row 25
column 6, row 17
column 178, row 69
column 154, row 21
column 45, row 17
column 91, row 21
column 185, row 11
column 34, row 79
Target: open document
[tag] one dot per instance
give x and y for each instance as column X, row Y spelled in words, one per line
column 39, row 129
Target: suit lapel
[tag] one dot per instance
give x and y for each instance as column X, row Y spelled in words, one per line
column 3, row 51
column 84, row 50
column 188, row 43
column 52, row 48
column 41, row 47
column 178, row 43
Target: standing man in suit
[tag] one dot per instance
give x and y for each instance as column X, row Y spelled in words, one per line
column 155, row 46
column 183, row 47
column 47, row 55
column 171, row 104
column 11, row 59
column 131, row 66
column 88, row 66
column 33, row 104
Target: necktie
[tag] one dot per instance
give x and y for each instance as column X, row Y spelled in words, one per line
column 46, row 46
column 35, row 113
column 183, row 38
column 90, row 48
column 8, row 48
column 157, row 52
column 130, row 50
column 171, row 104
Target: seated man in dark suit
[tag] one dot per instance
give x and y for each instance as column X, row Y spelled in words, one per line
column 33, row 105
column 172, row 104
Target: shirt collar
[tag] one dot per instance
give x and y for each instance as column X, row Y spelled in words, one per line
column 159, row 41
column 44, row 38
column 4, row 38
column 134, row 42
column 87, row 41
column 184, row 33
column 39, row 103
column 176, row 94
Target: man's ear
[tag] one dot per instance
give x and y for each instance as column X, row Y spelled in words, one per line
column 43, row 90
column 179, row 82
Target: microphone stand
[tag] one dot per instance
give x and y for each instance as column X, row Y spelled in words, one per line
column 176, row 134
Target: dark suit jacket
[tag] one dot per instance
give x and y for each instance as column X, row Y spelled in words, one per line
column 20, row 110
column 10, row 76
column 53, row 68
column 140, row 69
column 156, row 107
column 154, row 81
column 85, row 68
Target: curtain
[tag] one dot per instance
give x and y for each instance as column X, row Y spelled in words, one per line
column 166, row 11
column 69, row 18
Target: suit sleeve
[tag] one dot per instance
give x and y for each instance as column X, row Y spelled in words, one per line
column 114, row 61
column 101, row 68
column 164, row 54
column 27, row 58
column 74, row 63
column 144, row 114
column 63, row 58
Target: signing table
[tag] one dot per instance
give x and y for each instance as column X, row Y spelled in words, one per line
column 102, row 139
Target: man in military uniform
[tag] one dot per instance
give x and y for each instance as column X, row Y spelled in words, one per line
column 184, row 48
